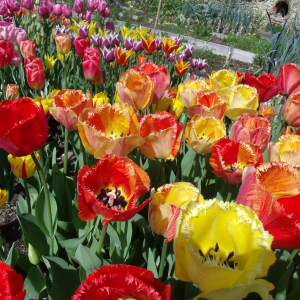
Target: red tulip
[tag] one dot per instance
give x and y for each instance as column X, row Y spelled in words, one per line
column 35, row 77
column 99, row 79
column 288, row 78
column 80, row 45
column 91, row 61
column 24, row 127
column 34, row 61
column 11, row 283
column 122, row 282
column 111, row 188
column 272, row 191
column 6, row 53
column 229, row 158
column 266, row 84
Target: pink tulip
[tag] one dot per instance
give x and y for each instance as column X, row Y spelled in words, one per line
column 86, row 16
column 92, row 4
column 78, row 6
column 28, row 4
column 16, row 59
column 101, row 6
column 67, row 11
column 106, row 13
column 57, row 10
column 13, row 5
column 8, row 31
column 3, row 8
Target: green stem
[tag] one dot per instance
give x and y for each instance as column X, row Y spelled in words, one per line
column 118, row 249
column 103, row 232
column 41, row 272
column 163, row 172
column 27, row 195
column 82, row 149
column 65, row 74
column 293, row 292
column 228, row 198
column 155, row 246
column 163, row 259
column 287, row 263
column 3, row 85
column 96, row 89
column 46, row 192
column 66, row 151
column 96, row 224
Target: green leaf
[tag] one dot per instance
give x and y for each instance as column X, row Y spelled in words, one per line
column 282, row 285
column 23, row 262
column 33, row 284
column 12, row 257
column 187, row 163
column 191, row 290
column 151, row 263
column 113, row 235
column 87, row 259
column 22, row 207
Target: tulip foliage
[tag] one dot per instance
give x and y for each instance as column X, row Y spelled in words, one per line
column 140, row 180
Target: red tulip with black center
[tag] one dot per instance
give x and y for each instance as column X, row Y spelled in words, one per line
column 110, row 188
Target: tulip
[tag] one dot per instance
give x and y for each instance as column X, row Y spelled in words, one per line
column 28, row 4
column 12, row 90
column 114, row 39
column 166, row 205
column 105, row 13
column 28, row 48
column 252, row 129
column 13, row 5
column 181, row 67
column 137, row 46
column 87, row 16
column 92, row 4
column 100, row 78
column 11, row 282
column 3, row 8
column 24, row 166
column 109, row 26
column 45, row 9
column 198, row 63
column 266, row 85
column 50, row 61
column 63, row 43
column 73, row 38
column 101, row 6
column 158, row 44
column 35, row 77
column 162, row 134
column 169, row 45
column 67, row 105
column 222, row 81
column 8, row 32
column 128, row 43
column 177, row 41
column 57, row 10
column 80, row 44
column 241, row 99
column 91, row 66
column 9, row 16
column 122, row 56
column 21, row 36
column 34, row 61
column 108, row 55
column 288, row 78
column 45, row 102
column 3, row 199
column 62, row 29
column 114, row 195
column 223, row 248
column 67, row 11
column 6, row 53
column 188, row 52
column 290, row 110
column 207, row 103
column 63, row 58
column 97, row 40
column 272, row 191
column 123, row 282
column 136, row 89
column 149, row 44
column 16, row 59
column 170, row 105
column 188, row 91
column 100, row 99
column 78, row 6
column 83, row 30
column 229, row 158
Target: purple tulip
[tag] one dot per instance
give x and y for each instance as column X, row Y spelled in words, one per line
column 21, row 36
column 67, row 11
column 188, row 52
column 8, row 32
column 13, row 5
column 106, row 13
column 201, row 64
column 92, row 4
column 171, row 56
column 45, row 9
column 48, row 3
column 16, row 59
column 114, row 39
column 106, row 42
column 8, row 17
column 73, row 38
column 83, row 30
column 137, row 46
column 61, row 29
column 180, row 57
column 97, row 40
column 28, row 4
column 109, row 26
column 101, row 6
column 86, row 16
column 128, row 43
column 57, row 10
column 158, row 44
column 108, row 55
column 194, row 63
column 3, row 8
column 178, row 41
column 78, row 6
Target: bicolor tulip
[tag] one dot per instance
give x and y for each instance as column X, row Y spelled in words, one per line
column 203, row 132
column 83, row 30
column 114, row 195
column 223, row 248
column 149, row 43
column 6, row 53
column 28, row 48
column 272, row 191
column 241, row 99
column 21, row 36
column 33, row 61
column 288, row 78
column 128, row 43
column 177, row 41
column 229, row 158
column 291, row 110
column 158, row 44
column 137, row 46
column 198, row 63
column 266, row 85
column 3, row 198
column 252, row 129
column 108, row 55
column 222, row 81
column 50, row 61
column 63, row 43
column 114, row 39
column 188, row 52
column 97, row 40
column 266, row 112
column 141, row 59
column 181, row 67
column 109, row 129
column 170, row 105
column 162, row 134
column 169, row 45
column 80, row 44
column 32, row 127
column 136, row 89
column 12, row 90
column 8, row 32
column 122, row 56
column 207, row 103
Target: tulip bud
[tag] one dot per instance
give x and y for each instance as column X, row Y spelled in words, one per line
column 63, row 43
column 21, row 36
column 101, row 6
column 3, row 9
column 33, row 255
column 38, row 39
column 12, row 90
column 128, row 43
column 99, row 79
column 92, row 4
column 13, row 5
column 35, row 77
column 158, row 44
column 106, row 13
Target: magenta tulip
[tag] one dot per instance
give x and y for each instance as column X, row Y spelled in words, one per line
column 87, row 16
column 78, row 6
column 67, row 11
column 92, row 4
column 28, row 4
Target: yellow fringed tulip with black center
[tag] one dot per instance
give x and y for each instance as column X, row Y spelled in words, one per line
column 223, row 248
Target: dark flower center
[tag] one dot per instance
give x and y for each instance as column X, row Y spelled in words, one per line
column 112, row 198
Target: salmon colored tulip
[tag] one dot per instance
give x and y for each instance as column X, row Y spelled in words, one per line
column 291, row 110
column 122, row 56
column 203, row 132
column 181, row 67
column 28, row 48
column 12, row 90
column 229, row 158
column 169, row 45
column 149, row 43
column 162, row 134
column 267, row 113
column 288, row 78
column 111, row 188
column 272, row 191
column 222, row 81
column 172, row 106
column 166, row 205
column 252, row 129
column 109, row 129
column 24, row 166
column 241, row 99
column 63, row 43
column 188, row 90
column 208, row 103
column 3, row 197
column 100, row 99
column 136, row 89
column 67, row 105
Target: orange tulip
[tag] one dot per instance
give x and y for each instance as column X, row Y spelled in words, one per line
column 122, row 56
column 181, row 67
column 12, row 90
column 63, row 43
column 208, row 103
column 169, row 45
column 291, row 110
column 289, row 131
column 149, row 44
column 162, row 134
column 136, row 88
column 109, row 129
column 67, row 105
column 267, row 113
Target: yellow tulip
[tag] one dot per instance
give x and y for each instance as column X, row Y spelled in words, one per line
column 241, row 99
column 24, row 166
column 223, row 248
column 3, row 197
column 221, row 81
column 173, row 106
column 166, row 205
column 92, row 29
column 126, row 32
column 203, row 132
column 62, row 57
column 102, row 33
column 100, row 99
column 140, row 31
column 50, row 61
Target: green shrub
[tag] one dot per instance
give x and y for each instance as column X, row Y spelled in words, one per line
column 276, row 28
